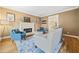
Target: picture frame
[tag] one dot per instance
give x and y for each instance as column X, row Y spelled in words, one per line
column 26, row 19
column 10, row 17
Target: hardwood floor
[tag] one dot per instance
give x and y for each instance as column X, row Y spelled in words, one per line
column 70, row 45
column 7, row 46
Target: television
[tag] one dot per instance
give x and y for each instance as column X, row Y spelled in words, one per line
column 27, row 19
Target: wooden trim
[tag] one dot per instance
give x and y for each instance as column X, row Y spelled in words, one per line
column 4, row 37
column 72, row 36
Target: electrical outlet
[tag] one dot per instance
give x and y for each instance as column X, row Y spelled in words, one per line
column 67, row 32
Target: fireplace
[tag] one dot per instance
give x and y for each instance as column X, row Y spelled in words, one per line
column 27, row 27
column 27, row 30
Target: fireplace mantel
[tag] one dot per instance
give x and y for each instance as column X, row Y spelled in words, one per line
column 24, row 25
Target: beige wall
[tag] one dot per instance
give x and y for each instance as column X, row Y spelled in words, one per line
column 18, row 17
column 70, row 22
column 78, row 22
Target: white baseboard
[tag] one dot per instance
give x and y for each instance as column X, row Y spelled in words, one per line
column 72, row 36
column 4, row 37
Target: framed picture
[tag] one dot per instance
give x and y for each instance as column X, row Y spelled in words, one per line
column 10, row 17
column 27, row 19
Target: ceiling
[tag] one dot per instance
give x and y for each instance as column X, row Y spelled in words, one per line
column 41, row 10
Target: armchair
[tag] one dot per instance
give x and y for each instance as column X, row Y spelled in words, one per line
column 44, row 30
column 17, row 35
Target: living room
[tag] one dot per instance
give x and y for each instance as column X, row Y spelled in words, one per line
column 31, row 25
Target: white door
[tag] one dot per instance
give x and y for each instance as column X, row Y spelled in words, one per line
column 53, row 22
